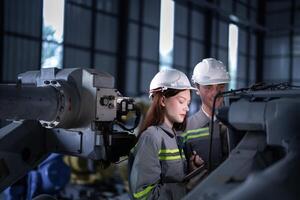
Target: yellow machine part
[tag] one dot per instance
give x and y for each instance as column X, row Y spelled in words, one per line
column 84, row 171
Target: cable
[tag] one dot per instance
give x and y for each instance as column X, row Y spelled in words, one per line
column 211, row 130
column 136, row 121
column 211, row 125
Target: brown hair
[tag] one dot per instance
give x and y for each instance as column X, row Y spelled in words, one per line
column 156, row 112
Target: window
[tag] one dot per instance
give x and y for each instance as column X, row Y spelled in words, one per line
column 232, row 56
column 53, row 23
column 166, row 34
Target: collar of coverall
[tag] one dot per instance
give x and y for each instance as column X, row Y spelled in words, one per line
column 167, row 130
column 207, row 115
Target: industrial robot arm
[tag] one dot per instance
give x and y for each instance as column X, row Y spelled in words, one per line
column 265, row 163
column 68, row 111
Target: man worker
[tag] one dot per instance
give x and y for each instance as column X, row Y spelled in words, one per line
column 210, row 77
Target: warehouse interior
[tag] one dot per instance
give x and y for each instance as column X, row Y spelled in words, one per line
column 257, row 40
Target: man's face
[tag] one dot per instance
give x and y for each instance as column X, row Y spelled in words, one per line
column 207, row 94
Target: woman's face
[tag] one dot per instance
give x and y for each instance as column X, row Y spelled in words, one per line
column 176, row 107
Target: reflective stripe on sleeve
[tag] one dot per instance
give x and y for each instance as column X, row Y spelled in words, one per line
column 168, row 151
column 170, row 157
column 142, row 194
column 169, row 154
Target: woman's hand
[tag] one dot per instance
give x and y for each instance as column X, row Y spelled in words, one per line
column 195, row 161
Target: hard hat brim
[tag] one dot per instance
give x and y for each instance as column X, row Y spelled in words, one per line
column 165, row 88
column 212, row 82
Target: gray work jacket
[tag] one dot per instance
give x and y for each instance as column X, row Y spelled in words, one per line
column 196, row 138
column 158, row 167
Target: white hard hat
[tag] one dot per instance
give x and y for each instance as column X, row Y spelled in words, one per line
column 210, row 72
column 169, row 78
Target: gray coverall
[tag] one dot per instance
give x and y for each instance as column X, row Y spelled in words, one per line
column 196, row 138
column 158, row 165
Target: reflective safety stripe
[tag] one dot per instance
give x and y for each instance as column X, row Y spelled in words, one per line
column 169, row 154
column 205, row 129
column 178, row 157
column 195, row 133
column 195, row 136
column 168, row 151
column 142, row 194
